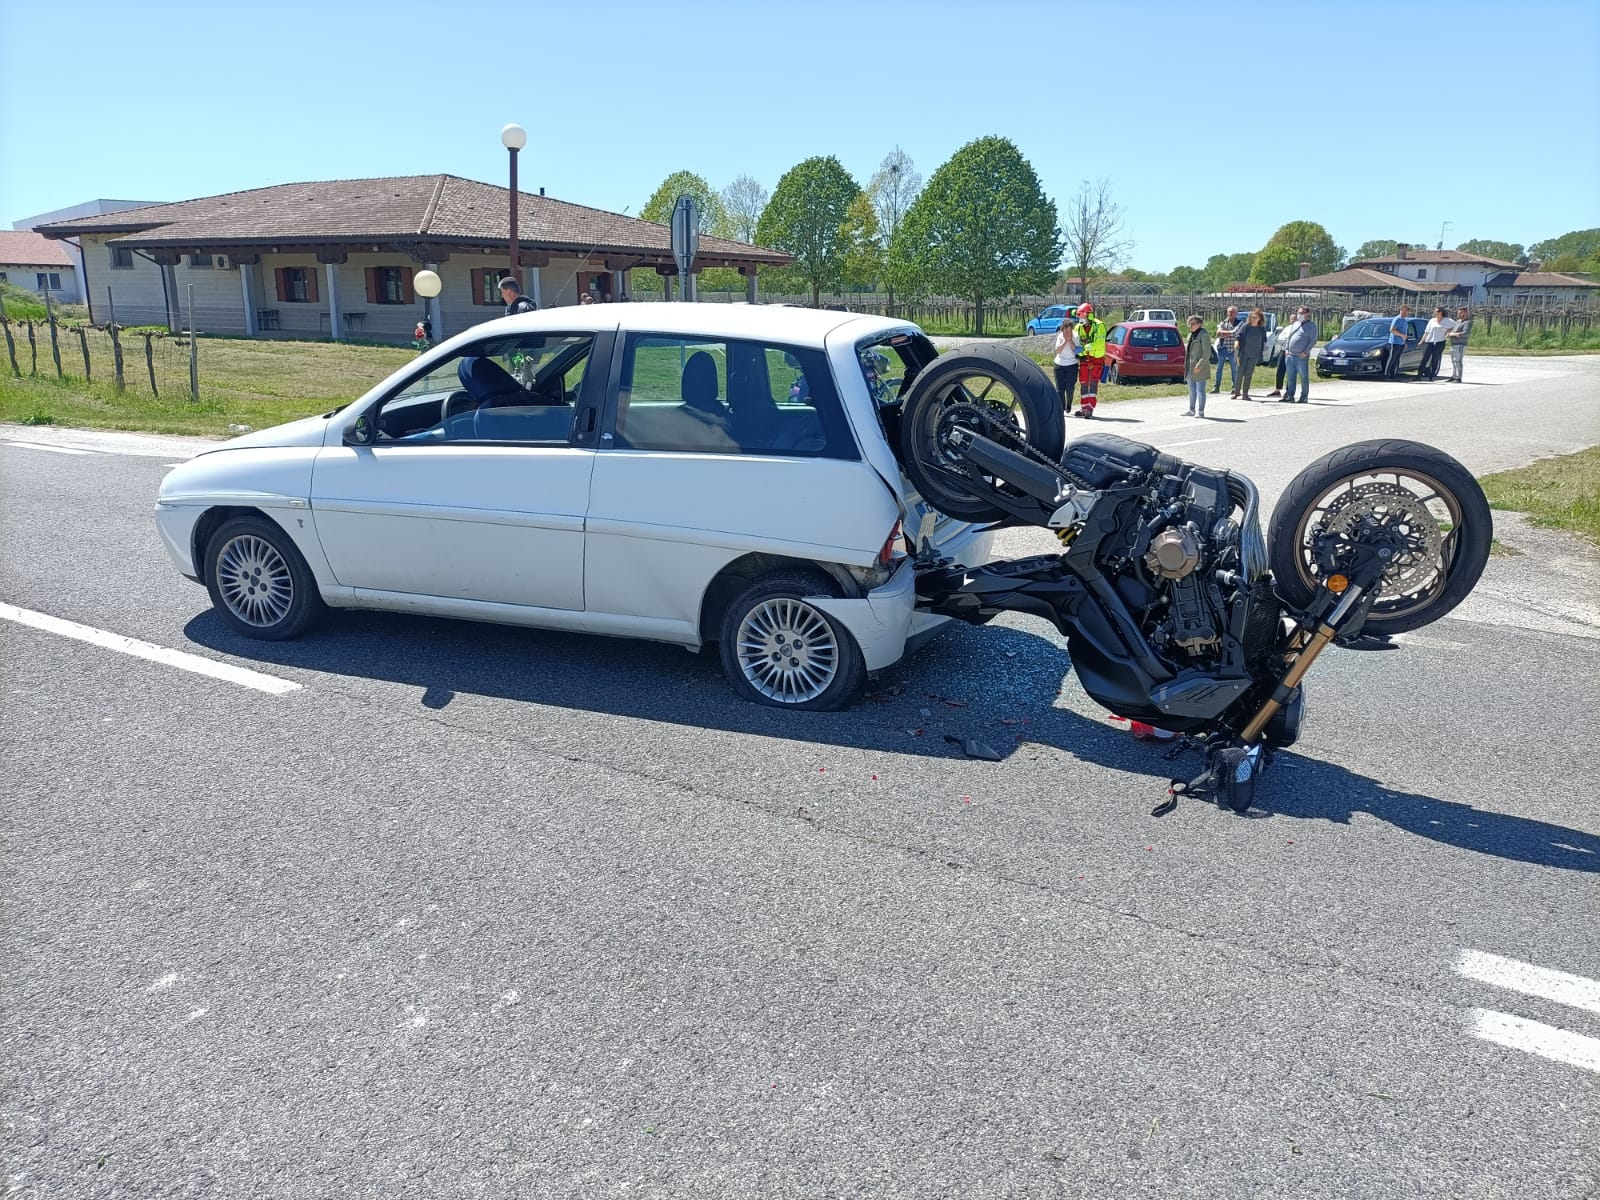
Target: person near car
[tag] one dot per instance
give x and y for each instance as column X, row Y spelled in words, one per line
column 1066, row 364
column 1302, row 340
column 1252, row 344
column 1457, row 340
column 1227, row 343
column 1197, row 366
column 1439, row 327
column 1399, row 330
column 516, row 302
column 1280, row 348
column 1090, row 333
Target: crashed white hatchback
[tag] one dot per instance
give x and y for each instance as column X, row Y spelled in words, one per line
column 689, row 473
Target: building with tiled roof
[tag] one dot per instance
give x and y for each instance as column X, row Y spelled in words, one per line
column 30, row 261
column 336, row 258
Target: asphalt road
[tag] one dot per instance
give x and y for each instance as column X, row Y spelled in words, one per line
column 485, row 912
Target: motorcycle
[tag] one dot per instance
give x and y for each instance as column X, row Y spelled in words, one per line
column 1177, row 610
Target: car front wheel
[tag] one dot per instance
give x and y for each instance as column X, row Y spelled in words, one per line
column 777, row 649
column 259, row 583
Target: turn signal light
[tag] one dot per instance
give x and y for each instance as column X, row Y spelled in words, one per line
column 1338, row 583
column 886, row 555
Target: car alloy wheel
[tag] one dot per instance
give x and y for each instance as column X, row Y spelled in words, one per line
column 787, row 651
column 255, row 582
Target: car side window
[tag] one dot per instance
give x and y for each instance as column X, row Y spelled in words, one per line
column 728, row 396
column 520, row 388
column 1116, row 335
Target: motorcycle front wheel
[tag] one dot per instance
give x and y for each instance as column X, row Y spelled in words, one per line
column 1413, row 496
column 991, row 390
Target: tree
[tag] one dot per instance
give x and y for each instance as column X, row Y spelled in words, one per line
column 1505, row 251
column 1094, row 241
column 1376, row 248
column 982, row 228
column 1221, row 270
column 893, row 188
column 862, row 265
column 743, row 200
column 1186, row 279
column 1575, row 251
column 806, row 217
column 1295, row 243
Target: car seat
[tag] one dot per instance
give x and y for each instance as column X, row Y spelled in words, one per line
column 699, row 389
column 488, row 383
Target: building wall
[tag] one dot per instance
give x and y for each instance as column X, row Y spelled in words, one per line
column 26, row 275
column 136, row 290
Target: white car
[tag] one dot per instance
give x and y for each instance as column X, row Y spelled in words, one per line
column 688, row 473
column 1157, row 316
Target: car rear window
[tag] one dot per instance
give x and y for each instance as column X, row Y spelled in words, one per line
column 716, row 396
column 1153, row 337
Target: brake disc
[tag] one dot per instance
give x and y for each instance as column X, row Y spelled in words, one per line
column 1389, row 511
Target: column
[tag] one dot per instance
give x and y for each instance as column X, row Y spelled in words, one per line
column 533, row 285
column 627, row 283
column 174, row 303
column 247, row 284
column 750, row 286
column 335, row 319
column 436, row 308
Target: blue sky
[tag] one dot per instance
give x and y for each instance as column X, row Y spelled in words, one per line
column 1214, row 123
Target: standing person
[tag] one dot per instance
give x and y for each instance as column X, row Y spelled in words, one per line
column 1252, row 344
column 1197, row 366
column 1066, row 365
column 1399, row 330
column 1227, row 338
column 1297, row 352
column 1457, row 338
column 516, row 302
column 1281, row 348
column 1090, row 333
column 1439, row 327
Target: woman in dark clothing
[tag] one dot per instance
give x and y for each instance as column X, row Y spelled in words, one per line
column 1252, row 343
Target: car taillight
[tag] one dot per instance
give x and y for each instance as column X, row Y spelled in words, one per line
column 886, row 555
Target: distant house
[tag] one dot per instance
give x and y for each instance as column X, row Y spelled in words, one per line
column 88, row 208
column 30, row 261
column 1469, row 278
column 337, row 258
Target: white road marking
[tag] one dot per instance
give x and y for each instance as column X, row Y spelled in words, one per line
column 226, row 672
column 1535, row 1037
column 41, row 446
column 1572, row 990
column 1198, row 442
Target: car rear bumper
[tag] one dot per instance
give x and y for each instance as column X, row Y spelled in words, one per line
column 885, row 623
column 1136, row 369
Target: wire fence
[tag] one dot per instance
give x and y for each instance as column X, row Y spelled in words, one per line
column 151, row 362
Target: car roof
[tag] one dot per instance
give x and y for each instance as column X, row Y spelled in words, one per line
column 777, row 322
column 1146, row 324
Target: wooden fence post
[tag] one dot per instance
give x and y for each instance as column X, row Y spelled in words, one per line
column 33, row 351
column 55, row 343
column 116, row 341
column 83, row 342
column 11, row 346
column 150, row 364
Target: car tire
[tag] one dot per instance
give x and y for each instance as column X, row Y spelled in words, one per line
column 259, row 582
column 770, row 615
column 1112, row 374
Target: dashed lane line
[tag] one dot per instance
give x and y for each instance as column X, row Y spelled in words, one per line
column 21, row 445
column 226, row 672
column 1535, row 1037
column 1558, row 986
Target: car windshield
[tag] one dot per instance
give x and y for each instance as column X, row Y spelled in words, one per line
column 1367, row 330
column 1153, row 337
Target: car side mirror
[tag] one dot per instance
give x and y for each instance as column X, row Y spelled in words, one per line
column 363, row 431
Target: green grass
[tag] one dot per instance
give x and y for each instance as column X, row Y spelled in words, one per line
column 242, row 381
column 1557, row 493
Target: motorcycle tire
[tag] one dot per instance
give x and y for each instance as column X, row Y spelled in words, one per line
column 1430, row 582
column 1033, row 399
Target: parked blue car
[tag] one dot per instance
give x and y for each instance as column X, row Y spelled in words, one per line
column 1049, row 320
column 1361, row 349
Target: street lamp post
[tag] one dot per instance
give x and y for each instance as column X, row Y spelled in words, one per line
column 514, row 138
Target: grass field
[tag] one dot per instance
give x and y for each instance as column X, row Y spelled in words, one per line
column 1559, row 493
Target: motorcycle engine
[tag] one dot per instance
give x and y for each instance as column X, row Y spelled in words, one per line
column 1161, row 532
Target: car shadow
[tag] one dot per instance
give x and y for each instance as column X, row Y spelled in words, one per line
column 997, row 685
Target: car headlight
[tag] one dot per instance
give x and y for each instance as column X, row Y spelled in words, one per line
column 1375, row 353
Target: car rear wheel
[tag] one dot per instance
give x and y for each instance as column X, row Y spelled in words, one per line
column 1113, row 375
column 779, row 650
column 259, row 582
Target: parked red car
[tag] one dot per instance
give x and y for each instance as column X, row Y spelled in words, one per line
column 1144, row 350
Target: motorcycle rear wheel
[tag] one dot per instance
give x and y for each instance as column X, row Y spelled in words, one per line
column 962, row 388
column 1398, row 487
